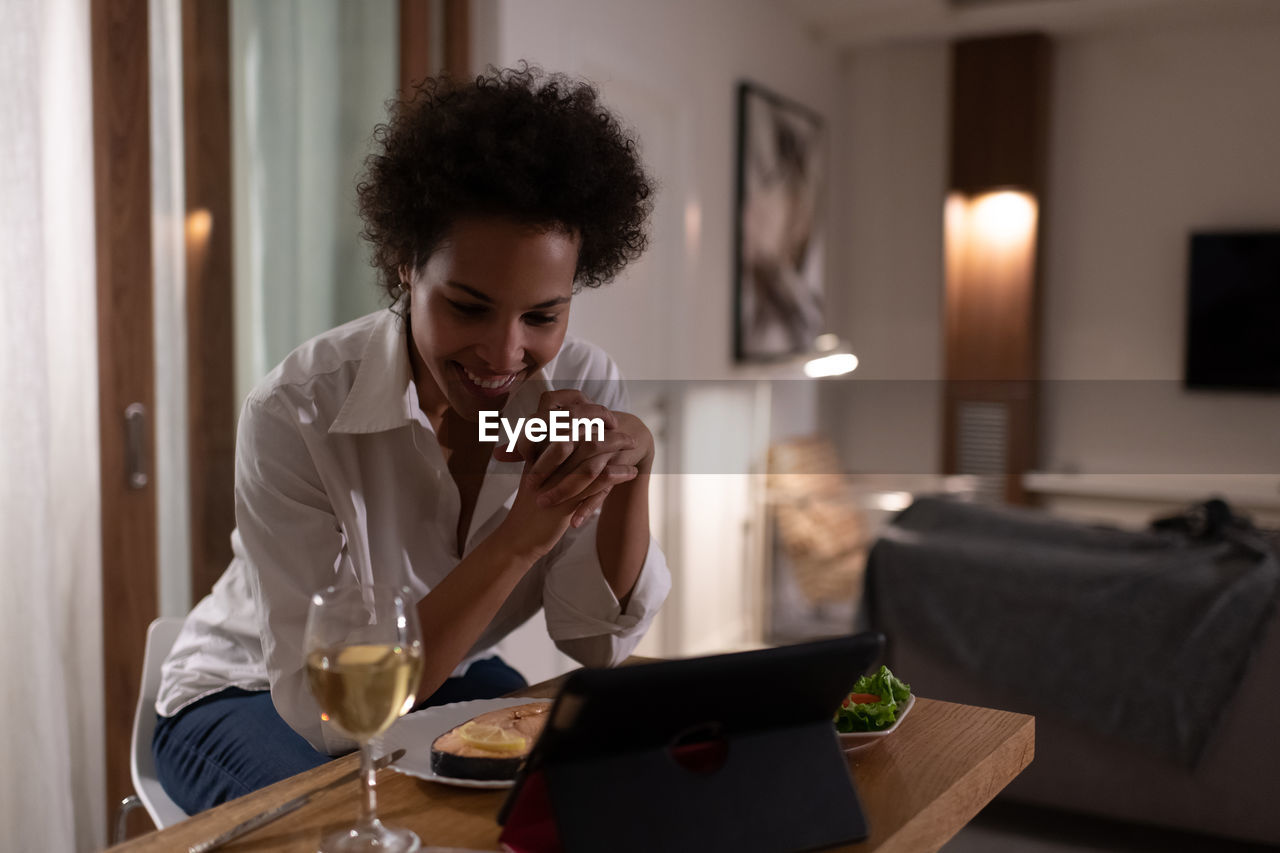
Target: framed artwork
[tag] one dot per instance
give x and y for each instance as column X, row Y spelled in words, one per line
column 778, row 270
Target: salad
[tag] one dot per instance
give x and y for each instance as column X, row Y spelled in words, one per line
column 873, row 703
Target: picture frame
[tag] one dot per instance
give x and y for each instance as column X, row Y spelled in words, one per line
column 779, row 265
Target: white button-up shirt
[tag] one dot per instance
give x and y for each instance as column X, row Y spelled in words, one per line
column 338, row 477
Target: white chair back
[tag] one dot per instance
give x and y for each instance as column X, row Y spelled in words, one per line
column 142, row 766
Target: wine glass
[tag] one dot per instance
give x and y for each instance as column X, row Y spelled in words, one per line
column 364, row 659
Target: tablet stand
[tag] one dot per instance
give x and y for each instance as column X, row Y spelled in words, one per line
column 760, row 771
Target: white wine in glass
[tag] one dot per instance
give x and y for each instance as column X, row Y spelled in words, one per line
column 364, row 659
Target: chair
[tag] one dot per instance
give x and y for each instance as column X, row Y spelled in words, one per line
column 142, row 766
column 823, row 530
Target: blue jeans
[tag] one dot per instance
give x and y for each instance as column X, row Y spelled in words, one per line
column 234, row 742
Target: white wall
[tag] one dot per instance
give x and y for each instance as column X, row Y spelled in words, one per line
column 671, row 69
column 886, row 417
column 1154, row 134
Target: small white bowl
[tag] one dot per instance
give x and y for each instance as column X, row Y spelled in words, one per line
column 853, row 741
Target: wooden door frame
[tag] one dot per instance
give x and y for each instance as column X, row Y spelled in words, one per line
column 125, row 281
column 210, row 289
column 457, row 38
column 207, row 143
column 417, row 18
column 415, row 42
column 126, row 369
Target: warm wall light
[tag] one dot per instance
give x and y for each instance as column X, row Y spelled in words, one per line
column 199, row 224
column 1000, row 97
column 1004, row 219
column 1001, row 222
column 836, row 364
column 826, row 342
column 831, row 357
column 990, row 241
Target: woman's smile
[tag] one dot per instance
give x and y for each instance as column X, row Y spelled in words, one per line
column 486, row 385
column 487, row 310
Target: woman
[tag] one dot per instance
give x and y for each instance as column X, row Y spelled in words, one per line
column 488, row 205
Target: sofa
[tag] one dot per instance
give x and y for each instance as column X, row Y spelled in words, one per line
column 1224, row 784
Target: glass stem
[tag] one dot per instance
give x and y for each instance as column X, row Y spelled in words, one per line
column 368, row 787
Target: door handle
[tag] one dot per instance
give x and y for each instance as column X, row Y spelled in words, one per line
column 135, row 445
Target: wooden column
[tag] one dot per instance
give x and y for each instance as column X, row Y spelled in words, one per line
column 457, row 38
column 415, row 42
column 999, row 113
column 122, row 213
column 211, row 403
column 422, row 21
column 995, row 222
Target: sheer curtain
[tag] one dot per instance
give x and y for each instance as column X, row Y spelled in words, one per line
column 50, row 572
column 169, row 306
column 309, row 79
column 309, row 82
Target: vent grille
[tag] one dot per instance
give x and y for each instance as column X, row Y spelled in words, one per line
column 982, row 447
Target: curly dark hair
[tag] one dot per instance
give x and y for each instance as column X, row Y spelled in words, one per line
column 516, row 143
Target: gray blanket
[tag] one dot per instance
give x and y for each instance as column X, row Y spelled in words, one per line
column 1141, row 636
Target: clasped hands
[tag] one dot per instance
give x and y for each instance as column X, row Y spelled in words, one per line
column 564, row 482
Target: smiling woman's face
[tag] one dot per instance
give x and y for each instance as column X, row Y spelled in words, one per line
column 487, row 309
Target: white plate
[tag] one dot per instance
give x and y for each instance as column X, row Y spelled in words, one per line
column 417, row 731
column 853, row 741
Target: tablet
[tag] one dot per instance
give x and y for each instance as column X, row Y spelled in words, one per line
column 734, row 751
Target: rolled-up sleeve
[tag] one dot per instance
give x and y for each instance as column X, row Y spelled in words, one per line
column 293, row 545
column 584, row 617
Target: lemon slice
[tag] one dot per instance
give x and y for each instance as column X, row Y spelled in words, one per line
column 491, row 738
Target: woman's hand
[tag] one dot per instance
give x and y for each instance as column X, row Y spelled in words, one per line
column 584, row 473
column 580, row 474
column 530, row 531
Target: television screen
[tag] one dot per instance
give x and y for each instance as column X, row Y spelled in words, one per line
column 1233, row 311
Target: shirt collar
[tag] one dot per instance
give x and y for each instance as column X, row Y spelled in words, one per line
column 383, row 395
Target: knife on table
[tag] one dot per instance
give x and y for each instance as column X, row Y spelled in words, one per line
column 264, row 818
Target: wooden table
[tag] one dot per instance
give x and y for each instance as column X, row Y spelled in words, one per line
column 918, row 787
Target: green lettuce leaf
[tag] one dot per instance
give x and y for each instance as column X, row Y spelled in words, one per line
column 874, row 716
